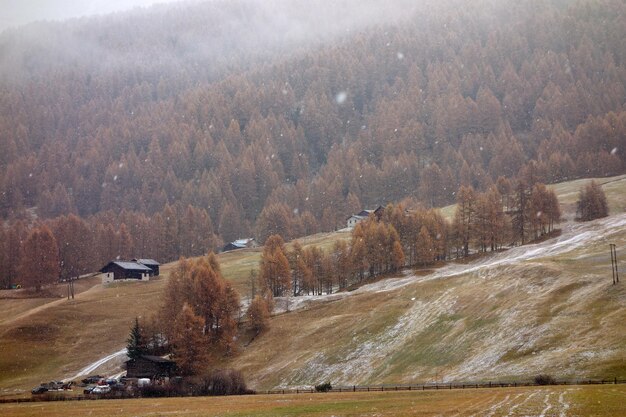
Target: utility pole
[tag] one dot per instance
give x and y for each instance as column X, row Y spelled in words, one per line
column 614, row 263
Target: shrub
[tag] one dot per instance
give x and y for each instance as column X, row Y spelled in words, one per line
column 222, row 382
column 544, row 379
column 325, row 387
column 592, row 203
column 155, row 391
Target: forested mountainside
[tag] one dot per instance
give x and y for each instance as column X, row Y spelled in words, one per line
column 170, row 130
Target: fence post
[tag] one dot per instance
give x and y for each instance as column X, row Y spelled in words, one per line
column 354, row 388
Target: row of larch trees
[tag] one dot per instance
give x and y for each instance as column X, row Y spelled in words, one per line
column 264, row 147
column 404, row 237
column 85, row 245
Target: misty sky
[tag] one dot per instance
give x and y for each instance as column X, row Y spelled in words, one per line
column 19, row 12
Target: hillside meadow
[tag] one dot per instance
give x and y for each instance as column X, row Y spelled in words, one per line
column 510, row 315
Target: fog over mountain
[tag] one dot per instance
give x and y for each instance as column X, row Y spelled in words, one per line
column 19, row 12
column 191, row 34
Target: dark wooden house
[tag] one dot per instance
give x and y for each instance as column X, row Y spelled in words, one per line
column 150, row 263
column 378, row 212
column 126, row 270
column 147, row 366
column 240, row 244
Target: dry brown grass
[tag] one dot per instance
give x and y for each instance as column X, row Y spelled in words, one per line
column 579, row 400
column 58, row 338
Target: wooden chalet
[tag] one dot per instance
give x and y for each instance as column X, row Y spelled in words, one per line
column 150, row 263
column 147, row 366
column 117, row 270
column 240, row 244
column 364, row 214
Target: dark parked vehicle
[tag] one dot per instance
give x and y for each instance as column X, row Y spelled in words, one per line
column 39, row 390
column 93, row 379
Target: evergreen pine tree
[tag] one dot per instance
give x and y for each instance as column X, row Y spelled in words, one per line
column 135, row 347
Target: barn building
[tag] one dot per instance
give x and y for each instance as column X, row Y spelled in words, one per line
column 150, row 263
column 364, row 214
column 153, row 367
column 240, row 244
column 117, row 270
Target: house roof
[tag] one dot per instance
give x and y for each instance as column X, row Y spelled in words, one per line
column 156, row 359
column 148, row 262
column 130, row 266
column 242, row 243
column 357, row 216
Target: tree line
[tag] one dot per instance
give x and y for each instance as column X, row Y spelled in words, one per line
column 507, row 214
column 77, row 246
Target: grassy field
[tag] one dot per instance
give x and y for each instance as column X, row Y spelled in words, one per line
column 514, row 319
column 59, row 337
column 552, row 401
column 236, row 265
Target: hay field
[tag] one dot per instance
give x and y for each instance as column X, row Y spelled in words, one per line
column 540, row 401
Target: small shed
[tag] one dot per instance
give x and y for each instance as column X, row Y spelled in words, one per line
column 116, row 270
column 353, row 220
column 150, row 263
column 240, row 244
column 147, row 366
column 364, row 214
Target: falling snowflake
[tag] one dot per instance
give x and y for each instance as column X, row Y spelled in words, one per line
column 341, row 97
column 400, row 55
column 613, row 151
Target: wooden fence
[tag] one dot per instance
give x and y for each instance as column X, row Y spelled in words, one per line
column 53, row 396
column 441, row 386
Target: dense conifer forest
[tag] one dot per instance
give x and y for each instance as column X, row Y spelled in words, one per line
column 165, row 132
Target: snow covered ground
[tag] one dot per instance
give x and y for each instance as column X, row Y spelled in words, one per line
column 522, row 273
column 92, row 368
